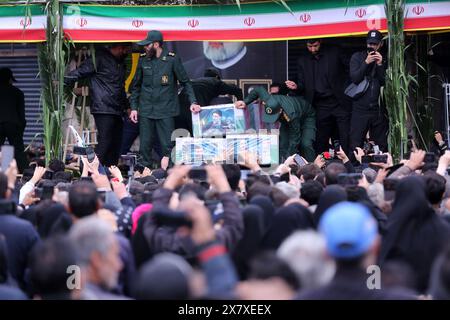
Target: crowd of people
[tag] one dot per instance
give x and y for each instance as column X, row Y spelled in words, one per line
column 305, row 231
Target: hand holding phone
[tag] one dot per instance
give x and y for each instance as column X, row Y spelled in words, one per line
column 198, row 173
column 430, row 157
column 7, row 156
column 299, row 160
column 336, row 147
column 90, row 153
column 349, row 179
column 174, row 219
column 371, row 56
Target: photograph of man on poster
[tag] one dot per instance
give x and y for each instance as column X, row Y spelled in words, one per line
column 235, row 60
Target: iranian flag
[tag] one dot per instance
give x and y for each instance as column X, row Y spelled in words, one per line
column 254, row 22
column 22, row 23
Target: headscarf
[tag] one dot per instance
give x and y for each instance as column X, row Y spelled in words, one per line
column 137, row 213
column 267, row 207
column 250, row 242
column 329, row 197
column 285, row 221
column 415, row 234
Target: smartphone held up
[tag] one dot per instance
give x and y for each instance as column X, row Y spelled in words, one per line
column 7, row 156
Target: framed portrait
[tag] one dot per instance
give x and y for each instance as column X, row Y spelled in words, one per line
column 234, row 59
column 196, row 151
column 218, row 121
column 263, row 146
column 247, row 84
column 230, row 81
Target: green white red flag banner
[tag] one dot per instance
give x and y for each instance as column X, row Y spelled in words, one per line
column 22, row 23
column 252, row 22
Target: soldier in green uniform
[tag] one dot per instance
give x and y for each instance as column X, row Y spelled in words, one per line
column 154, row 96
column 297, row 118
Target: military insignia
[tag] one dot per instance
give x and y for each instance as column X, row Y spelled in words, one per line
column 172, row 54
column 269, row 110
column 165, row 79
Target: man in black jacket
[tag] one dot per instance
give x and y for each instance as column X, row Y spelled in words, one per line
column 109, row 100
column 206, row 89
column 12, row 116
column 20, row 235
column 321, row 78
column 368, row 113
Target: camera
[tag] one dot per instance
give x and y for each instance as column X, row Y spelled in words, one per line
column 85, row 151
column 81, row 151
column 336, row 147
column 379, row 158
column 128, row 160
column 349, row 179
column 368, row 148
column 90, row 153
column 173, row 219
column 197, row 173
column 370, row 50
column 429, row 157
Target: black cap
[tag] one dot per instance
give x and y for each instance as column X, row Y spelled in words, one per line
column 6, row 75
column 374, row 36
column 152, row 36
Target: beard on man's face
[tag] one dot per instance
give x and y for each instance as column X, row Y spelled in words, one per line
column 150, row 50
column 221, row 51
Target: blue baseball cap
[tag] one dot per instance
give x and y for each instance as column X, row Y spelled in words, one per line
column 349, row 230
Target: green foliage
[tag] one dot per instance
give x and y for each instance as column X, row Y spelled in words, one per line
column 52, row 62
column 425, row 104
column 397, row 79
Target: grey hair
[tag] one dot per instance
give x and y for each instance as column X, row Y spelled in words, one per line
column 289, row 190
column 89, row 235
column 370, row 174
column 305, row 253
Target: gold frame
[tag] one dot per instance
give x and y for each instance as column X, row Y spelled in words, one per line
column 243, row 82
column 230, row 81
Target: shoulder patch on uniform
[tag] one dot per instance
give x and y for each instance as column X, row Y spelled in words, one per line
column 172, row 54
